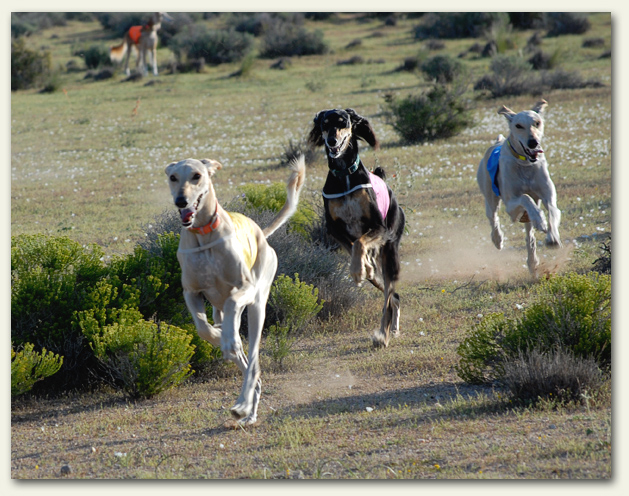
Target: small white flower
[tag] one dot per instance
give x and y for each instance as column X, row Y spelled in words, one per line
column 369, row 409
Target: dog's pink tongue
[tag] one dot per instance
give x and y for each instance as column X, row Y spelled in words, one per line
column 186, row 215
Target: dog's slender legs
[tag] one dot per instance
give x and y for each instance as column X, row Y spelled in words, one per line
column 360, row 268
column 154, row 60
column 554, row 218
column 491, row 210
column 246, row 406
column 196, row 306
column 128, row 55
column 516, row 206
column 531, row 260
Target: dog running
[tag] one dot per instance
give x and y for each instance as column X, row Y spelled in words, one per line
column 226, row 259
column 514, row 170
column 361, row 211
column 142, row 40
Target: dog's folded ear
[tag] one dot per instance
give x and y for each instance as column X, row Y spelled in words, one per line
column 507, row 112
column 212, row 165
column 315, row 138
column 362, row 129
column 169, row 168
column 540, row 106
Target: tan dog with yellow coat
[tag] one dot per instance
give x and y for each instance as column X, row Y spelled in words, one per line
column 226, row 259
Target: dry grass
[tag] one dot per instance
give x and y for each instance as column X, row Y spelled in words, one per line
column 88, row 162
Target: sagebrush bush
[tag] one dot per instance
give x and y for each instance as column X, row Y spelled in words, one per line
column 29, row 367
column 452, row 25
column 287, row 39
column 29, row 68
column 561, row 79
column 603, row 264
column 561, row 23
column 143, row 358
column 196, row 41
column 96, row 56
column 544, row 61
column 442, row 69
column 555, row 375
column 571, row 313
column 24, row 23
column 442, row 112
column 511, row 76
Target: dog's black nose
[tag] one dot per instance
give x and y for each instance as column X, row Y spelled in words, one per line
column 331, row 141
column 532, row 144
column 181, row 202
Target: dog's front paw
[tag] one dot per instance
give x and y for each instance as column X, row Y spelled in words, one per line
column 379, row 339
column 553, row 241
column 240, row 411
column 540, row 223
column 357, row 271
column 496, row 237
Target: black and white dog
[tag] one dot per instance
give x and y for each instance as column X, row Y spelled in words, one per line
column 361, row 211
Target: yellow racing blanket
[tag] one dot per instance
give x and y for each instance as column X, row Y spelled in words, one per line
column 246, row 237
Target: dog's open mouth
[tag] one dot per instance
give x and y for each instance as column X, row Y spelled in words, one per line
column 336, row 151
column 187, row 214
column 532, row 154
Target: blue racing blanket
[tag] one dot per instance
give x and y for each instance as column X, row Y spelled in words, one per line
column 492, row 168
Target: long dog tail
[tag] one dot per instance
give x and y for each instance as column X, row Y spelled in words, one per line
column 116, row 53
column 293, row 187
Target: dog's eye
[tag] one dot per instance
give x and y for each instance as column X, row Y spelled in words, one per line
column 173, row 179
column 196, row 177
column 519, row 126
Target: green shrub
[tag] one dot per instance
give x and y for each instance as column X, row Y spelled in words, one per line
column 294, row 304
column 482, row 356
column 196, row 41
column 561, row 23
column 96, row 56
column 153, row 269
column 442, row 69
column 511, row 76
column 51, row 278
column 286, row 39
column 28, row 367
column 571, row 313
column 273, row 197
column 28, row 67
column 452, row 25
column 143, row 358
column 442, row 112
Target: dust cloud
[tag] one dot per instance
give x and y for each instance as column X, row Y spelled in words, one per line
column 460, row 251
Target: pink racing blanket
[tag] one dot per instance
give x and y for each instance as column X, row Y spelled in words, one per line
column 382, row 194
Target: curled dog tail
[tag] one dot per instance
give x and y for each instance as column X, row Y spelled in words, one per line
column 116, row 53
column 293, row 188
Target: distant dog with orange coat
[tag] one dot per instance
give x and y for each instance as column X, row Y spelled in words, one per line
column 143, row 40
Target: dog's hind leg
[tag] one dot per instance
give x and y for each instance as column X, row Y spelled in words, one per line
column 128, row 55
column 531, row 260
column 491, row 211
